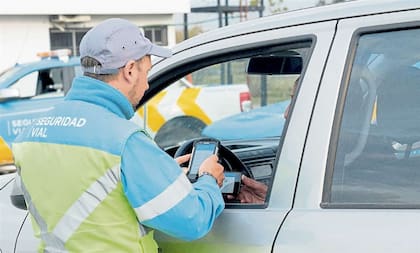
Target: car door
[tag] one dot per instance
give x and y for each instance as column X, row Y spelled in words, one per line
column 11, row 218
column 253, row 227
column 359, row 180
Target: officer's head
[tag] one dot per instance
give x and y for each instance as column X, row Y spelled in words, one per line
column 116, row 52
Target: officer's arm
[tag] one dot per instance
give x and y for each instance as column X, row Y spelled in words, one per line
column 161, row 194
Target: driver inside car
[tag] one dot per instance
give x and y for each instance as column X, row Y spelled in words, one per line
column 253, row 191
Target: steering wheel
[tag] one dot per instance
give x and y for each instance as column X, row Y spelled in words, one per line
column 226, row 157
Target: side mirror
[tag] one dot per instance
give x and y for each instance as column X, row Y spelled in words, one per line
column 8, row 94
column 275, row 65
column 7, row 168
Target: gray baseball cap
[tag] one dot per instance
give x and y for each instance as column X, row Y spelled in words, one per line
column 114, row 42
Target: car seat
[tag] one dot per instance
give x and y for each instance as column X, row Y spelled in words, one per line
column 45, row 82
column 382, row 173
column 398, row 103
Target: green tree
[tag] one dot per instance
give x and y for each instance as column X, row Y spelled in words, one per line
column 254, row 3
column 193, row 31
column 276, row 6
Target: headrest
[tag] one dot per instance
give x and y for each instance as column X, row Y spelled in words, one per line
column 398, row 105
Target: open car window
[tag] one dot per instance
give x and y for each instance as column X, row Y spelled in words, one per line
column 239, row 98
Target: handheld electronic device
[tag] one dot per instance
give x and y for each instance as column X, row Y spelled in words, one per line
column 202, row 149
column 232, row 183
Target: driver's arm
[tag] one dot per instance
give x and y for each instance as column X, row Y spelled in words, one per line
column 161, row 194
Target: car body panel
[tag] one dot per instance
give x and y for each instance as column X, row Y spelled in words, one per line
column 9, row 228
column 7, row 156
column 175, row 102
column 264, row 122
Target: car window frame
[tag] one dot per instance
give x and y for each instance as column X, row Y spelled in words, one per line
column 177, row 71
column 194, row 63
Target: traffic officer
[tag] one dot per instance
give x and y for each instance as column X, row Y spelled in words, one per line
column 92, row 180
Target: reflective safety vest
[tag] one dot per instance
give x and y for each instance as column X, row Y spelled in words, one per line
column 95, row 218
column 69, row 164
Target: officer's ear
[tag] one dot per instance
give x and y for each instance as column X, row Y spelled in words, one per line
column 128, row 70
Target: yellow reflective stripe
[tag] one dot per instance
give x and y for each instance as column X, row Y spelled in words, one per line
column 6, row 156
column 154, row 118
column 140, row 112
column 373, row 119
column 187, row 103
column 167, row 199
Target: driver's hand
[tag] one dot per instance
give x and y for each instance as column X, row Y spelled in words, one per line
column 251, row 191
column 183, row 159
column 214, row 168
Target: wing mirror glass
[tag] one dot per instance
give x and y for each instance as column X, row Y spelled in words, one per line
column 8, row 94
column 275, row 65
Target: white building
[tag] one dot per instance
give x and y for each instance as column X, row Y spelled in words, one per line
column 31, row 26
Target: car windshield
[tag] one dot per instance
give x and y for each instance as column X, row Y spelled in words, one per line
column 9, row 72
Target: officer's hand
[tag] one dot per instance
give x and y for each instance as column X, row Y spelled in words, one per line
column 183, row 159
column 211, row 166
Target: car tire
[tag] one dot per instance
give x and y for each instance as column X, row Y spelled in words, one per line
column 177, row 130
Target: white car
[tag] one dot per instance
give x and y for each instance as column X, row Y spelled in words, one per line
column 343, row 173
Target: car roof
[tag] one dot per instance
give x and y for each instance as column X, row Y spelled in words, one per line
column 302, row 16
column 21, row 69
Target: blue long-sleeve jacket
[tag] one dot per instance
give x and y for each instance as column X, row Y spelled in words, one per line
column 153, row 182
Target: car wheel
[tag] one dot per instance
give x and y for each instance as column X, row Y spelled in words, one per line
column 178, row 130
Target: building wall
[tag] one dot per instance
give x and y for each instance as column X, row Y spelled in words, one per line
column 21, row 37
column 25, row 24
column 77, row 7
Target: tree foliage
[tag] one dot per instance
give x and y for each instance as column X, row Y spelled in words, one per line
column 254, row 2
column 193, row 31
column 276, row 6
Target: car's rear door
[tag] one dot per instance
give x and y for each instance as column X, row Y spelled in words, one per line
column 358, row 187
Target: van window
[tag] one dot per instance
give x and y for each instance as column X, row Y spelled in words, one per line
column 47, row 82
